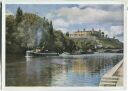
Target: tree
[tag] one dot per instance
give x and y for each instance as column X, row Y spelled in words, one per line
column 51, row 28
column 113, row 37
column 93, row 29
column 106, row 36
column 102, row 34
column 19, row 15
column 67, row 34
column 99, row 33
column 51, row 37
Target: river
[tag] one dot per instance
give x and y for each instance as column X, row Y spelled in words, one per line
column 55, row 71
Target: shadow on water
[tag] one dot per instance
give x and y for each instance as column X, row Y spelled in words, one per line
column 60, row 71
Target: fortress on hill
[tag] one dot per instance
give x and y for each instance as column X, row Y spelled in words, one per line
column 84, row 34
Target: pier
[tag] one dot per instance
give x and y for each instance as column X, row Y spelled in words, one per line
column 114, row 77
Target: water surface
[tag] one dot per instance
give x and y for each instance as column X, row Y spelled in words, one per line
column 55, row 71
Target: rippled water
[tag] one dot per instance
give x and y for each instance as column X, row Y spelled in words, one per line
column 55, row 71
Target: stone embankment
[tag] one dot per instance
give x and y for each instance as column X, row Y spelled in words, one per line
column 114, row 77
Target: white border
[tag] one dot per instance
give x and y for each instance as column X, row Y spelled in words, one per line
column 1, row 51
column 67, row 2
column 60, row 1
column 35, row 88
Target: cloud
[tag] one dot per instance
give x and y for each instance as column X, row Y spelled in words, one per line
column 105, row 7
column 60, row 23
column 120, row 35
column 116, row 31
column 89, row 15
column 109, row 17
column 76, row 15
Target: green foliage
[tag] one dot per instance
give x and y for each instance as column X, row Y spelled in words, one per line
column 111, row 43
column 22, row 33
column 11, row 41
column 63, row 43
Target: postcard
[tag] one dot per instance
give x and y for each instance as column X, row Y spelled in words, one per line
column 65, row 45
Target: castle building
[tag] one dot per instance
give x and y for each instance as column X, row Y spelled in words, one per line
column 82, row 34
column 79, row 34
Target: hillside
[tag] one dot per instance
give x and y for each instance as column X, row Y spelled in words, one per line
column 85, row 40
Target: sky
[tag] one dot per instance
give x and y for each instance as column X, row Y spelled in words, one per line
column 71, row 17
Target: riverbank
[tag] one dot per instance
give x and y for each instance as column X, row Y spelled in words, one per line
column 114, row 77
column 67, row 55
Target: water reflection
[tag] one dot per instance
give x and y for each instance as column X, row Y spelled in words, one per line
column 60, row 72
column 79, row 66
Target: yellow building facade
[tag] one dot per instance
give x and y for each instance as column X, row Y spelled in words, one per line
column 80, row 34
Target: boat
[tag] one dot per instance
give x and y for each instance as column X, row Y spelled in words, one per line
column 36, row 54
column 65, row 54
